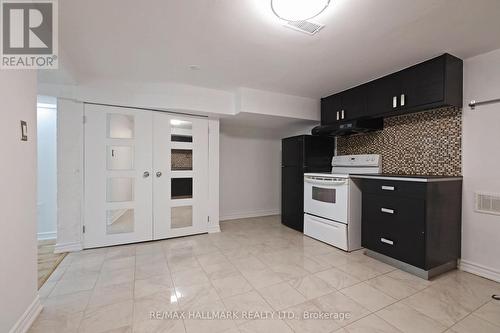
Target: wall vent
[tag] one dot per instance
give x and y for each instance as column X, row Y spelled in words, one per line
column 307, row 27
column 488, row 203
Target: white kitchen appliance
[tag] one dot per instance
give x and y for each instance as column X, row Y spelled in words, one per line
column 332, row 201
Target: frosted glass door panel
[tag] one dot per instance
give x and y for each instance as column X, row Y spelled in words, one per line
column 120, row 189
column 120, row 126
column 181, row 130
column 181, row 188
column 120, row 221
column 182, row 217
column 182, row 160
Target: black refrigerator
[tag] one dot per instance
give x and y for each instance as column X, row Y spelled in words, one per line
column 301, row 154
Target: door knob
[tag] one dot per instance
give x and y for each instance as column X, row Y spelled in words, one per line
column 145, row 174
column 158, row 174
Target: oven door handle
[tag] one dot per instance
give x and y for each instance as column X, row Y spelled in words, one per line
column 325, row 183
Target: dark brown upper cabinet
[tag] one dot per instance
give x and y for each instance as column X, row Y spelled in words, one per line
column 330, row 109
column 347, row 105
column 435, row 83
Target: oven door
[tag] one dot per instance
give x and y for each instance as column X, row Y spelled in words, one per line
column 326, row 197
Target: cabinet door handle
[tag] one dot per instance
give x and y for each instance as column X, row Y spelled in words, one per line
column 387, row 210
column 402, row 100
column 388, row 188
column 338, row 115
column 343, row 114
column 395, row 102
column 387, row 241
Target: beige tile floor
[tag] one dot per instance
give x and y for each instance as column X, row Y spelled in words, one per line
column 47, row 259
column 256, row 265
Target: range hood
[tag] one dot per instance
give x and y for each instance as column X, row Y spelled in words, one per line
column 358, row 126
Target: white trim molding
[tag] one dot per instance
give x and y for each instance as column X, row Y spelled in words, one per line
column 486, row 272
column 26, row 320
column 68, row 247
column 212, row 229
column 244, row 215
column 47, row 235
column 213, row 175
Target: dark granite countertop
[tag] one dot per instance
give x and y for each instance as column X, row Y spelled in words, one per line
column 414, row 178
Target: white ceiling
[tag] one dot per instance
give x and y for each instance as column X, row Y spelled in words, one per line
column 239, row 43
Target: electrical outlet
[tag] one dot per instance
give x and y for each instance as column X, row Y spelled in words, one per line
column 24, row 131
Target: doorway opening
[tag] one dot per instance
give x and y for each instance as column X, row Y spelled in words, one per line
column 47, row 187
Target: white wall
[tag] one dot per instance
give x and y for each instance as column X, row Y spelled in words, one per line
column 162, row 96
column 276, row 104
column 187, row 98
column 69, row 175
column 19, row 302
column 481, row 160
column 250, row 172
column 47, row 172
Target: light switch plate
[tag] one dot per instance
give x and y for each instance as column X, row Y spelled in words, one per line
column 24, row 131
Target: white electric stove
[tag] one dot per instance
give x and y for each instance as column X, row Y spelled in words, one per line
column 332, row 201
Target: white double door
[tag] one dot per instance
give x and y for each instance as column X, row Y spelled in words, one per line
column 146, row 175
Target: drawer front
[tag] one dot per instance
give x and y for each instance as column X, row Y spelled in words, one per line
column 394, row 188
column 330, row 232
column 408, row 250
column 395, row 226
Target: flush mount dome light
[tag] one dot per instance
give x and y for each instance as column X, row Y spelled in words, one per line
column 298, row 10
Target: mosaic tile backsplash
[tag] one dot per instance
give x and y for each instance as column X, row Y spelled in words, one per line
column 426, row 143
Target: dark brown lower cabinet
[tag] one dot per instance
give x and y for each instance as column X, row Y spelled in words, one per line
column 416, row 221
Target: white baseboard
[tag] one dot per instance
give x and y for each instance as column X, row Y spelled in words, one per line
column 486, row 272
column 244, row 215
column 68, row 247
column 213, row 229
column 26, row 320
column 47, row 235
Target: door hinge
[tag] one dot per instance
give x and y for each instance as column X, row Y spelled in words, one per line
column 83, row 229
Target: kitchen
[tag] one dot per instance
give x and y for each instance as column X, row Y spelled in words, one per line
column 402, row 203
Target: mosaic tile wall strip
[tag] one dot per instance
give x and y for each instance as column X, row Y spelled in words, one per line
column 428, row 143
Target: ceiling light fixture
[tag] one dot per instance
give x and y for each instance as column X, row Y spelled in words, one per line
column 298, row 10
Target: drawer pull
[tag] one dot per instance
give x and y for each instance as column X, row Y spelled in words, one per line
column 388, row 188
column 386, row 241
column 387, row 210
